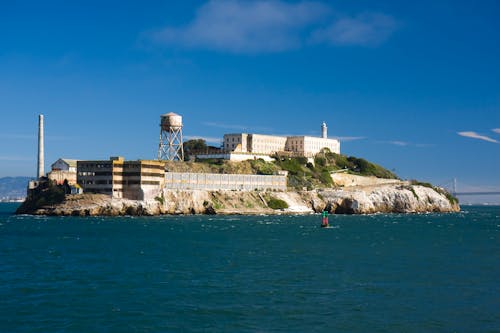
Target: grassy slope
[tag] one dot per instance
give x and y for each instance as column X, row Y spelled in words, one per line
column 301, row 173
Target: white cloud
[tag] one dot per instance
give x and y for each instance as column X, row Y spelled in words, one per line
column 398, row 143
column 496, row 130
column 364, row 29
column 475, row 135
column 351, row 138
column 245, row 26
column 259, row 26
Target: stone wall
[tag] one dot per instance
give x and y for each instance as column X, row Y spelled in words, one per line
column 215, row 181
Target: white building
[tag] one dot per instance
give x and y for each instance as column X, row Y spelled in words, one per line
column 254, row 143
column 309, row 146
column 241, row 144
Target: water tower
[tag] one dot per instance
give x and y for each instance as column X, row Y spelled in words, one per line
column 170, row 147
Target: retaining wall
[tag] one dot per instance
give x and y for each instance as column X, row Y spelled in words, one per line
column 216, row 181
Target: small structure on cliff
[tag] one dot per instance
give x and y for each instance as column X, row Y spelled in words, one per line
column 63, row 169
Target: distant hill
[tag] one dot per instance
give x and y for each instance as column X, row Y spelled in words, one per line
column 13, row 187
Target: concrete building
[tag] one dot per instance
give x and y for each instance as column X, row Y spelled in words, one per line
column 254, row 143
column 237, row 145
column 308, row 146
column 137, row 180
column 63, row 169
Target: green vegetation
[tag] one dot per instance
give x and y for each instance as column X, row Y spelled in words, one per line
column 300, row 173
column 303, row 174
column 160, row 199
column 262, row 167
column 275, row 203
column 353, row 164
column 414, row 193
column 192, row 147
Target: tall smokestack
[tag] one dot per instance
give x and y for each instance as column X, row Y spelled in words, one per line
column 41, row 159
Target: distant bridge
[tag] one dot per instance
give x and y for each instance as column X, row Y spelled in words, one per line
column 451, row 186
column 476, row 193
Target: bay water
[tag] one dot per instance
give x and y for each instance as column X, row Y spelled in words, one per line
column 369, row 273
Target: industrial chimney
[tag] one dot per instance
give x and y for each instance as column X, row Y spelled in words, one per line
column 41, row 159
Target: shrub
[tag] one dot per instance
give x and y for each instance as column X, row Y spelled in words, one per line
column 262, row 167
column 325, row 177
column 320, row 161
column 276, row 203
column 160, row 199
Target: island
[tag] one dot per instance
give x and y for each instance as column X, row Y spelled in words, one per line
column 330, row 182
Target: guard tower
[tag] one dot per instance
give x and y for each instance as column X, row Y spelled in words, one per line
column 170, row 147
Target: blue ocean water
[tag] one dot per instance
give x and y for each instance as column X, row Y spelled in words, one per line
column 376, row 273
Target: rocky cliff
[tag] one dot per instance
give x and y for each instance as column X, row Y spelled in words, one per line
column 389, row 198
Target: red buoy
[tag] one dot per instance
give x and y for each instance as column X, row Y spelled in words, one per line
column 324, row 221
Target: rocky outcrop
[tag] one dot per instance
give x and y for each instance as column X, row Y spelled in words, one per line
column 388, row 199
column 401, row 198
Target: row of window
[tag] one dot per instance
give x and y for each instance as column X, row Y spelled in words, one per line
column 94, row 165
column 232, row 139
column 94, row 182
column 116, row 173
column 119, row 165
column 119, row 182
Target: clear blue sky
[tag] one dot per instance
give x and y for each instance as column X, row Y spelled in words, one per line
column 411, row 85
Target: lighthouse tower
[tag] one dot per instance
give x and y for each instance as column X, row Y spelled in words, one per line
column 324, row 131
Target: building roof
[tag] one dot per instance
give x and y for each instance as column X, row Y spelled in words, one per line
column 70, row 162
column 170, row 114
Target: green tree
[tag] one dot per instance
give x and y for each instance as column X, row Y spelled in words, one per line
column 193, row 147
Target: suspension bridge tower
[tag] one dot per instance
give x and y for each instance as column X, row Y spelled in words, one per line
column 170, row 147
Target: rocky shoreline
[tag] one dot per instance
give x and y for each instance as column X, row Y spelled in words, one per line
column 389, row 198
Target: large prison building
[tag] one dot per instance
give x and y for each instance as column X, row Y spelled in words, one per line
column 306, row 146
column 253, row 145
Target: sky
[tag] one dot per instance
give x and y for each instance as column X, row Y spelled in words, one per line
column 413, row 86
